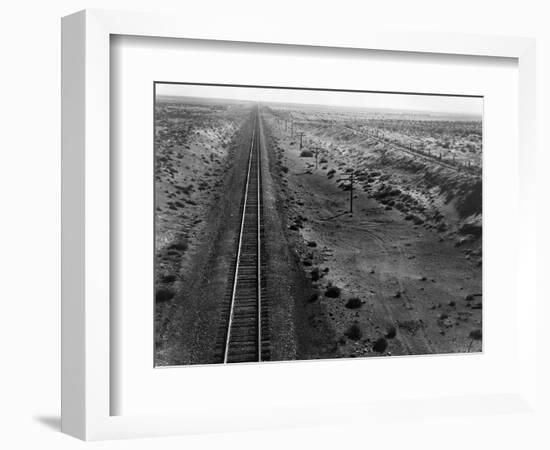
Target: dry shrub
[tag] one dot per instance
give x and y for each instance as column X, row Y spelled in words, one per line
column 313, row 297
column 164, row 294
column 380, row 345
column 315, row 274
column 169, row 278
column 353, row 303
column 476, row 334
column 354, row 332
column 182, row 246
column 391, row 332
column 333, row 292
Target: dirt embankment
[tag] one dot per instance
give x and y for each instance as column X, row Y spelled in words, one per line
column 401, row 274
column 199, row 185
column 427, row 193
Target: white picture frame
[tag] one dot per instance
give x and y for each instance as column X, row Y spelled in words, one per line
column 86, row 244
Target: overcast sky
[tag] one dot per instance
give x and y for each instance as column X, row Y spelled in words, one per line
column 427, row 103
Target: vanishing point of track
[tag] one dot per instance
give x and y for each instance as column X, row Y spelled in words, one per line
column 244, row 329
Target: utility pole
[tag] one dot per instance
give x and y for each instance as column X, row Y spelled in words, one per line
column 316, row 158
column 350, row 180
column 316, row 150
column 301, row 134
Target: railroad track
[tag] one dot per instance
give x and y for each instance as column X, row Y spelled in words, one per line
column 244, row 333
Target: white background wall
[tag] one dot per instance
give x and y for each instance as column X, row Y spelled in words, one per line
column 29, row 226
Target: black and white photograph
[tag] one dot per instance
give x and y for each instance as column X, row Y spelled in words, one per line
column 299, row 224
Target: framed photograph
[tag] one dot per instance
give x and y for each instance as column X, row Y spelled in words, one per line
column 266, row 228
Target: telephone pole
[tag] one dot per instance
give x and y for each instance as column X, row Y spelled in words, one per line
column 316, row 150
column 301, row 134
column 350, row 179
column 316, row 158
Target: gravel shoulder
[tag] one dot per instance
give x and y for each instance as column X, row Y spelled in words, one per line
column 296, row 327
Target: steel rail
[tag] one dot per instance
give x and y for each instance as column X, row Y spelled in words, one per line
column 258, row 243
column 239, row 248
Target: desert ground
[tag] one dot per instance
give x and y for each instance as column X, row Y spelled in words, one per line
column 397, row 273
